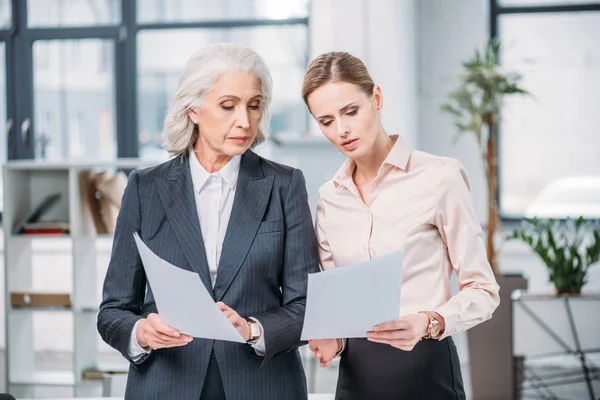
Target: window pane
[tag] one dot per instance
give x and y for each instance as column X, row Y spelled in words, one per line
column 74, row 99
column 551, row 140
column 3, row 120
column 53, row 13
column 192, row 10
column 5, row 14
column 284, row 49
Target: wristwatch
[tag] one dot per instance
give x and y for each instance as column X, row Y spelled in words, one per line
column 254, row 329
column 434, row 329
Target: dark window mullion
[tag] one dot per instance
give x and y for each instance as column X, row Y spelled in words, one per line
column 126, row 81
column 71, row 33
column 224, row 24
column 22, row 77
column 547, row 9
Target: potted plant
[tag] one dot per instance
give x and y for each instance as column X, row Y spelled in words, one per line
column 567, row 247
column 475, row 107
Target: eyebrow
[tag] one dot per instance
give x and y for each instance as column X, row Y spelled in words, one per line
column 230, row 96
column 342, row 110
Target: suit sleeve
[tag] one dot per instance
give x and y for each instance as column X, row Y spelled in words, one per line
column 283, row 326
column 125, row 281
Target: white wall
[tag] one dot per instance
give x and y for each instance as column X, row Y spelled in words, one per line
column 382, row 33
column 448, row 32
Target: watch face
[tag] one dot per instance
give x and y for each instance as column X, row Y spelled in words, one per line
column 254, row 330
column 435, row 328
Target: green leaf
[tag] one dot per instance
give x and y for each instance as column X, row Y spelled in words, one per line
column 568, row 248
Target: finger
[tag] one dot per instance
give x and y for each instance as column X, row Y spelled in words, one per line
column 167, row 340
column 398, row 334
column 155, row 321
column 155, row 345
column 222, row 306
column 163, row 328
column 229, row 312
column 236, row 320
column 313, row 346
column 149, row 332
column 392, row 325
column 396, row 343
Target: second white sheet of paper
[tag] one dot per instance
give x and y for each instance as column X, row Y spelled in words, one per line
column 347, row 302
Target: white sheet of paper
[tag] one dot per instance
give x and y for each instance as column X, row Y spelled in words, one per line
column 347, row 302
column 182, row 300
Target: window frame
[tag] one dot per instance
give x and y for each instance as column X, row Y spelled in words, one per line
column 497, row 10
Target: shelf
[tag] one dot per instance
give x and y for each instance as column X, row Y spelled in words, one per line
column 23, row 310
column 108, row 236
column 52, row 309
column 40, row 236
column 34, row 260
column 45, row 378
column 126, row 163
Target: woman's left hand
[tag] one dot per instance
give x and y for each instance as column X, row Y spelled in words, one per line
column 403, row 334
column 238, row 322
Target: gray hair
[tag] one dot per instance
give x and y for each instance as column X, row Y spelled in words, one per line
column 201, row 72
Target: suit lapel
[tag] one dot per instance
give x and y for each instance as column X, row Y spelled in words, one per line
column 177, row 194
column 250, row 202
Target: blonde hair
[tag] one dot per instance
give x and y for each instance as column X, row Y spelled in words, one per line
column 336, row 66
column 201, row 72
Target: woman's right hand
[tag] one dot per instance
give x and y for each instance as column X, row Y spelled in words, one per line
column 154, row 333
column 325, row 349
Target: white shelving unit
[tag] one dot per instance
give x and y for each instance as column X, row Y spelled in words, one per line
column 26, row 184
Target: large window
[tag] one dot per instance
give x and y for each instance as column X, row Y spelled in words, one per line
column 5, row 14
column 276, row 29
column 96, row 76
column 64, row 13
column 283, row 48
column 549, row 164
column 219, row 10
column 74, row 99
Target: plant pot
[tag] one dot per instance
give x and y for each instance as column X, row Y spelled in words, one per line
column 568, row 291
column 490, row 346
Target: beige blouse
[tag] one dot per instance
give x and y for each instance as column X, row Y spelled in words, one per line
column 419, row 203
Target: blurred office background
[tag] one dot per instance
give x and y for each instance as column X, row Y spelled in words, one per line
column 91, row 79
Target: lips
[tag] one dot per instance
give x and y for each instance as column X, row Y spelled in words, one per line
column 350, row 144
column 240, row 139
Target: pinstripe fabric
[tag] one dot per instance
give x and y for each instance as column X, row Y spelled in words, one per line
column 268, row 252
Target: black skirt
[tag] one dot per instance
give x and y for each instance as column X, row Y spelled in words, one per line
column 378, row 371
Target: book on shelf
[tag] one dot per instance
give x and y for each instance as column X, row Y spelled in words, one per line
column 31, row 299
column 38, row 212
column 47, row 228
column 100, row 371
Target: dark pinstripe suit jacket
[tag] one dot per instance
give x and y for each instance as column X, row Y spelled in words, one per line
column 268, row 251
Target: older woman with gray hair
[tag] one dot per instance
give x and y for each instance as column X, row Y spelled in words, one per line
column 241, row 222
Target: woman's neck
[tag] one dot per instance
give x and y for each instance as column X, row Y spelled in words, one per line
column 368, row 165
column 209, row 160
